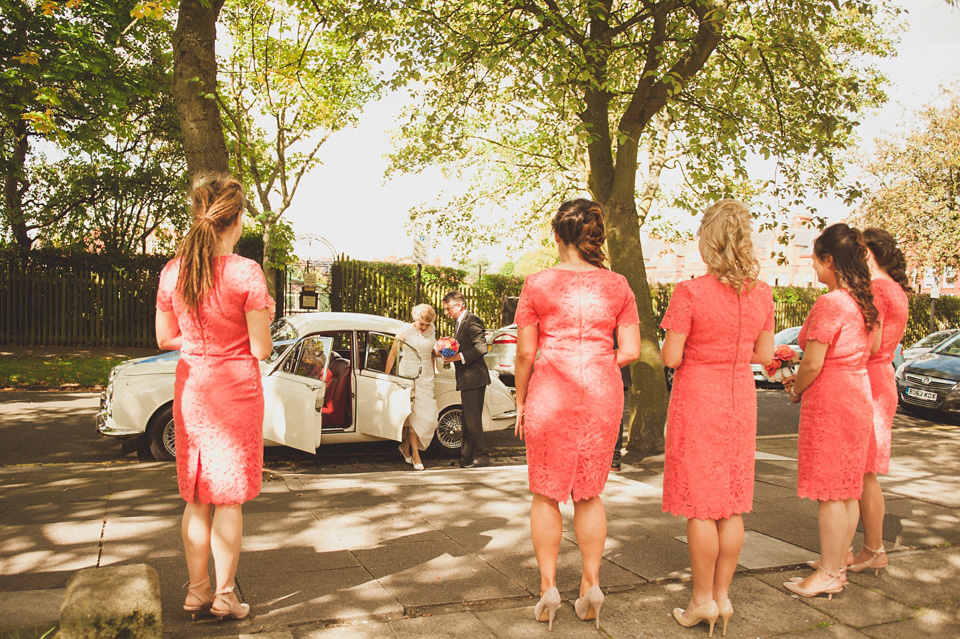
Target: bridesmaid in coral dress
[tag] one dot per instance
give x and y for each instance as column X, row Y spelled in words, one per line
column 214, row 307
column 569, row 408
column 836, row 417
column 890, row 287
column 717, row 325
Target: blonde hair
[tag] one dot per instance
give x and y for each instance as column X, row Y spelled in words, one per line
column 424, row 313
column 216, row 202
column 725, row 244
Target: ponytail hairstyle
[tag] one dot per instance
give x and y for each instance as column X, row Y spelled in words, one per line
column 216, row 203
column 726, row 246
column 848, row 250
column 579, row 223
column 888, row 255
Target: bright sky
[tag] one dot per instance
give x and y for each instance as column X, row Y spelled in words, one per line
column 348, row 202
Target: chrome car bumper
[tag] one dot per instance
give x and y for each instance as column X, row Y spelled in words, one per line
column 106, row 425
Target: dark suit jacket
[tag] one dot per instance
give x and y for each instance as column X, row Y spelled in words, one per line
column 472, row 373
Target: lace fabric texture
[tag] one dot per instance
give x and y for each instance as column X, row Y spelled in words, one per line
column 712, row 417
column 218, row 397
column 891, row 302
column 575, row 398
column 423, row 418
column 836, row 413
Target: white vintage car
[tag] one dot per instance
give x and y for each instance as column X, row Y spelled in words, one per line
column 330, row 379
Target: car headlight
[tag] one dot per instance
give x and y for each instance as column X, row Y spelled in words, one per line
column 116, row 371
column 900, row 369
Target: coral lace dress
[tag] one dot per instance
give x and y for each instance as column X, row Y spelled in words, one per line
column 218, row 398
column 575, row 399
column 891, row 302
column 712, row 417
column 836, row 411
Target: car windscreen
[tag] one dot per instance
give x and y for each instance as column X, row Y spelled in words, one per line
column 932, row 339
column 283, row 331
column 279, row 348
column 950, row 347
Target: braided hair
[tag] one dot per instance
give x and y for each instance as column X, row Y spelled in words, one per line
column 579, row 223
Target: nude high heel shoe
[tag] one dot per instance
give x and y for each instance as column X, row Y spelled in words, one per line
column 227, row 607
column 587, row 607
column 842, row 572
column 546, row 608
column 194, row 608
column 726, row 611
column 708, row 612
column 873, row 563
column 832, row 587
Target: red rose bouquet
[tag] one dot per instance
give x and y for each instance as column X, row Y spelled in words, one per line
column 448, row 346
column 782, row 367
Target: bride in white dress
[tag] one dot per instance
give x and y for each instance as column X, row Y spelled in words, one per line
column 421, row 335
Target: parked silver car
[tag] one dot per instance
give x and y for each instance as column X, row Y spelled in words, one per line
column 502, row 352
column 787, row 336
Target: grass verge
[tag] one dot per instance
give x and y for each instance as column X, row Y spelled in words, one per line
column 54, row 372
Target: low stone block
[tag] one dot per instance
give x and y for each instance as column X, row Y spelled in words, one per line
column 112, row 603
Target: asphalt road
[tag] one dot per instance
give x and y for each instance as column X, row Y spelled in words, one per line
column 58, row 427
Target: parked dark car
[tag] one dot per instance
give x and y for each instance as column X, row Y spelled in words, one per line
column 932, row 381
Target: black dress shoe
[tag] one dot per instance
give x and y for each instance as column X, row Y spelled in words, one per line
column 476, row 463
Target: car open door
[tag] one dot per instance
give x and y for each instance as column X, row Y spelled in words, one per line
column 385, row 386
column 293, row 393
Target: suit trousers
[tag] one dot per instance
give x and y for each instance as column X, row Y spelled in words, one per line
column 624, row 420
column 472, row 401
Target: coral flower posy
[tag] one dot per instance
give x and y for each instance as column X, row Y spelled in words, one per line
column 448, row 346
column 782, row 367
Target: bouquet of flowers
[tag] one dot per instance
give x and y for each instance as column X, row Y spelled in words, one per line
column 782, row 367
column 448, row 346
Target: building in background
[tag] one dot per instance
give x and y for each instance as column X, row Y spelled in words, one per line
column 669, row 262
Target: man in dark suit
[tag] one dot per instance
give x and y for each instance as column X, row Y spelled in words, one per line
column 472, row 377
column 625, row 417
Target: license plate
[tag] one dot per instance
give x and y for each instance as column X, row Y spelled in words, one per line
column 922, row 394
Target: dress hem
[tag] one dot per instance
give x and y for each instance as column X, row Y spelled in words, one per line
column 713, row 516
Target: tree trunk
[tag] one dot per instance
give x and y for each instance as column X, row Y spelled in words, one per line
column 649, row 391
column 13, row 186
column 268, row 270
column 194, row 88
column 613, row 184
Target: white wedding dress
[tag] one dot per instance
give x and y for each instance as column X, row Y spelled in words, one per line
column 423, row 418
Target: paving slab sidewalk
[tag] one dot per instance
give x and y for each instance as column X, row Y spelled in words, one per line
column 446, row 552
